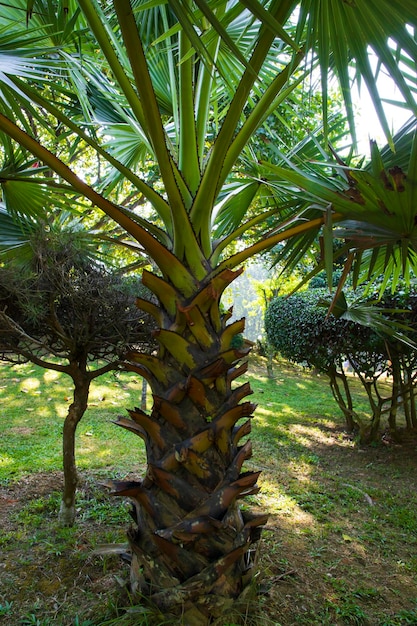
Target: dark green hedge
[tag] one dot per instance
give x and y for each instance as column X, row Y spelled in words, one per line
column 302, row 332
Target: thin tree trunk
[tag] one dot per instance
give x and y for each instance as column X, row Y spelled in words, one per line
column 75, row 413
column 396, row 389
column 345, row 402
column 143, row 396
column 406, row 389
column 413, row 411
column 269, row 365
column 409, row 403
column 370, row 434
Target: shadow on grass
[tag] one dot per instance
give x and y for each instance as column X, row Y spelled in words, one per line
column 35, row 403
column 341, row 542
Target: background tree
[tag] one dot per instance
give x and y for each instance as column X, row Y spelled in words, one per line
column 185, row 86
column 403, row 361
column 65, row 312
column 299, row 328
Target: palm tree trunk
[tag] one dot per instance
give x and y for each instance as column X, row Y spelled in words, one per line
column 191, row 548
column 75, row 412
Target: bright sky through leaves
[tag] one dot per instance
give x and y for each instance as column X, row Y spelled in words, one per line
column 368, row 126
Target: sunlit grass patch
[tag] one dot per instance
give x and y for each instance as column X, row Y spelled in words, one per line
column 37, row 403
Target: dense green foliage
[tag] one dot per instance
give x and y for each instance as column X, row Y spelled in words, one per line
column 62, row 305
column 301, row 330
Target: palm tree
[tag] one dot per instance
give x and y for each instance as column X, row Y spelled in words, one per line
column 167, row 96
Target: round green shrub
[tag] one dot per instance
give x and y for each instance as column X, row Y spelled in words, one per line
column 301, row 330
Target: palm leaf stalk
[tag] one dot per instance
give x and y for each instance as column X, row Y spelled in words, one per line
column 192, row 89
column 376, row 215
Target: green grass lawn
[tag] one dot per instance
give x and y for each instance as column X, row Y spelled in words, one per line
column 340, row 546
column 35, row 404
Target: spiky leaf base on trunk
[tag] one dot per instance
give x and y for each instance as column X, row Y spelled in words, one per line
column 192, row 546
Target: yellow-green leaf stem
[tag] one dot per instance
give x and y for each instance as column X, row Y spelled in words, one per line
column 165, row 292
column 203, row 90
column 268, row 242
column 143, row 81
column 177, row 346
column 190, row 319
column 185, row 243
column 159, row 204
column 234, row 236
column 166, row 261
column 209, row 187
column 171, row 69
column 188, row 155
column 258, row 115
column 217, row 26
column 328, row 246
column 90, row 11
column 162, row 373
column 231, row 330
column 151, row 308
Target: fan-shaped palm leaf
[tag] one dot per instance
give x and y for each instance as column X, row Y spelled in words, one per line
column 346, row 32
column 373, row 209
column 367, row 313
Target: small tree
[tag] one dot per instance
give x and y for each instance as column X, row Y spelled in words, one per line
column 300, row 329
column 66, row 312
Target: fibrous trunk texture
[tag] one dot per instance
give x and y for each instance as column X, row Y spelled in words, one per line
column 192, row 547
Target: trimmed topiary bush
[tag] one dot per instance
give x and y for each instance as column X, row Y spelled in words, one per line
column 301, row 330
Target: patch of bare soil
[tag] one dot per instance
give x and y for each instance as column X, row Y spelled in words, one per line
column 28, row 488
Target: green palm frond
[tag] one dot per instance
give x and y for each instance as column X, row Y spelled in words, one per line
column 25, row 186
column 14, row 235
column 17, row 65
column 372, row 209
column 235, row 200
column 403, row 141
column 345, row 33
column 251, row 39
